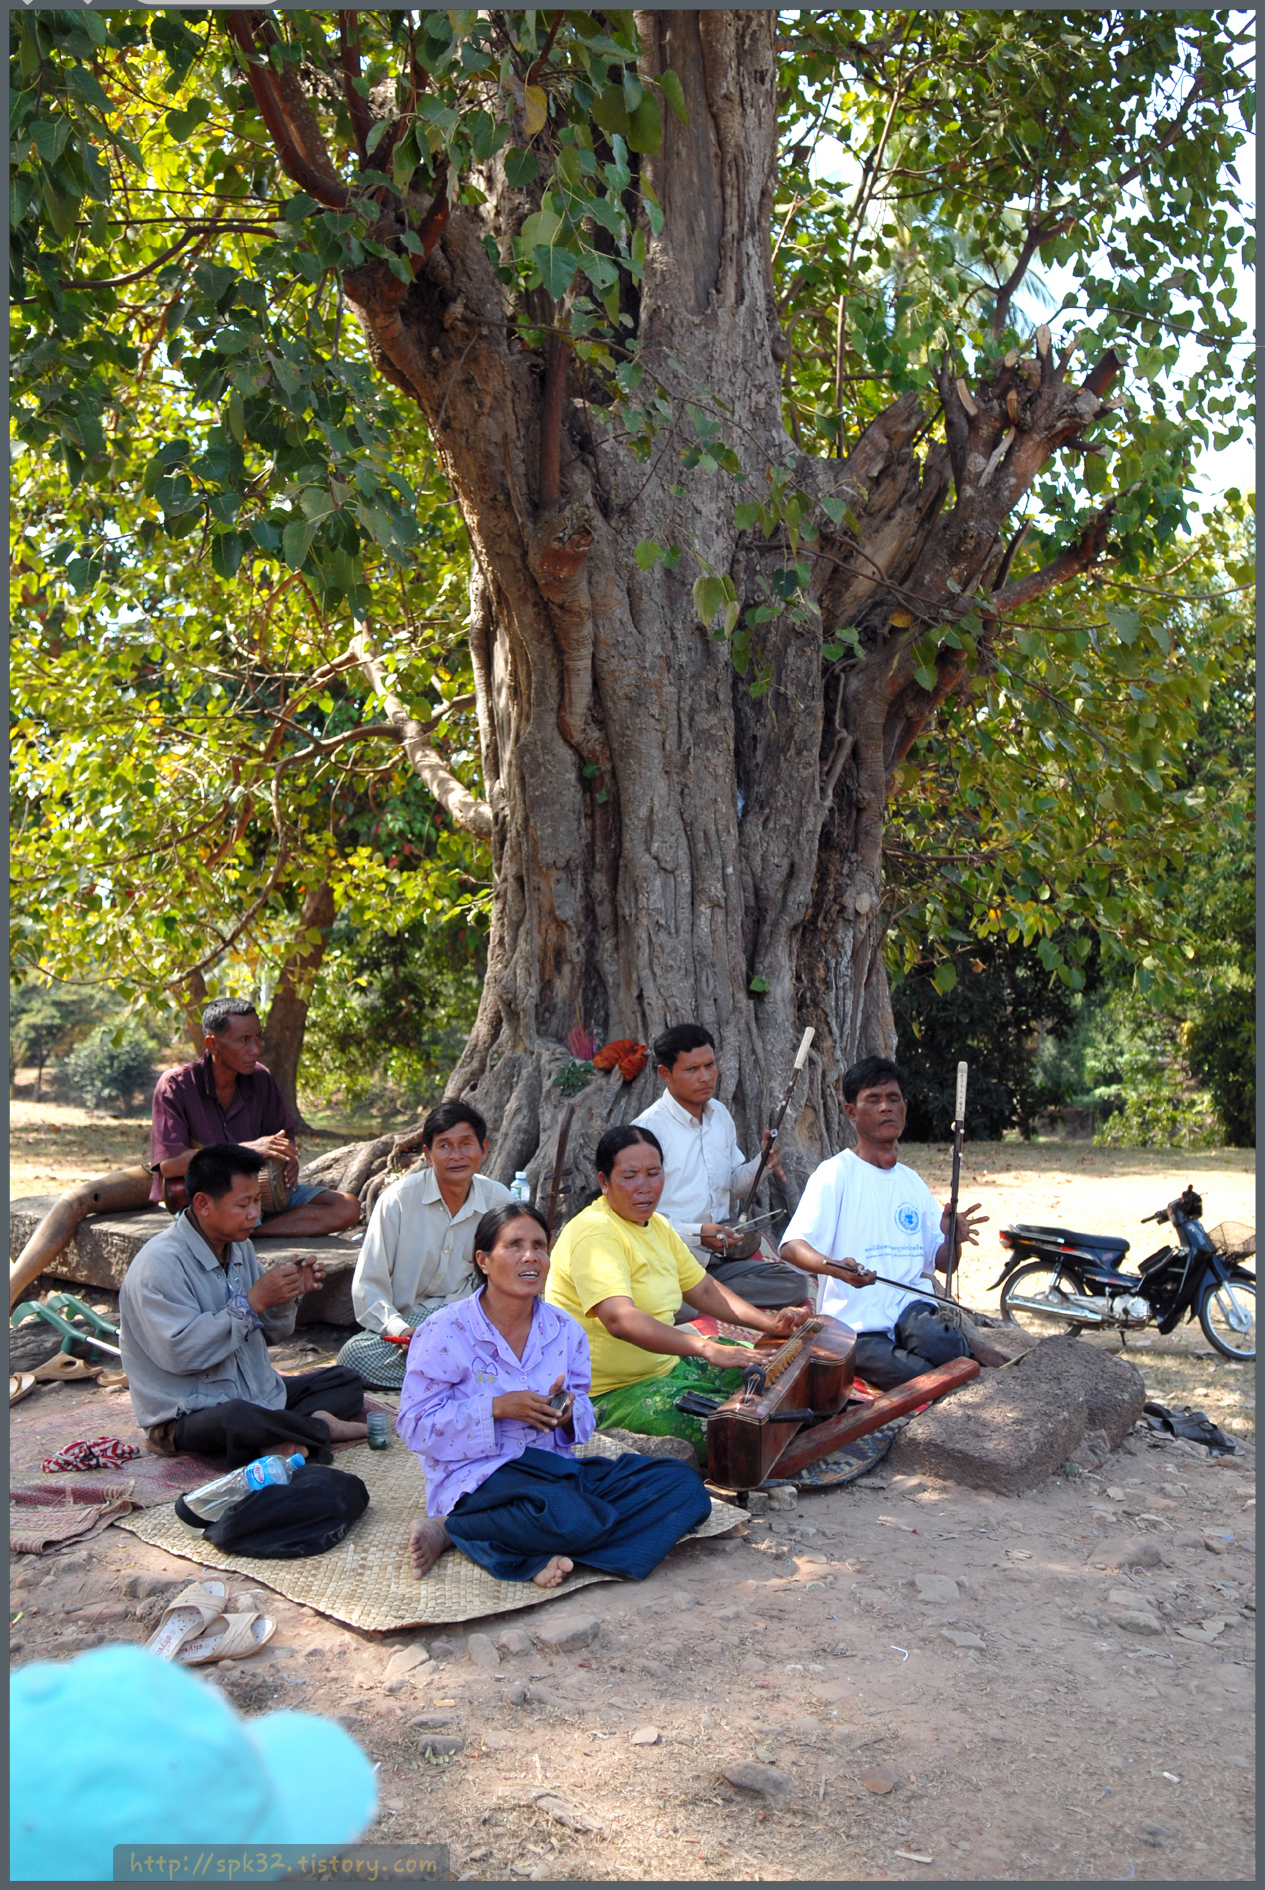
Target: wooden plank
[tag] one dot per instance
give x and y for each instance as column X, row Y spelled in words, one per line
column 818, row 1441
column 105, row 1245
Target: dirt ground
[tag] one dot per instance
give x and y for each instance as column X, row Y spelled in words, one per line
column 1027, row 1734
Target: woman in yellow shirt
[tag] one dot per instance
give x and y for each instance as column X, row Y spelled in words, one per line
column 623, row 1271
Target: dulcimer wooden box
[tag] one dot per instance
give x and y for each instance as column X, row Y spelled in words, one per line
column 807, row 1378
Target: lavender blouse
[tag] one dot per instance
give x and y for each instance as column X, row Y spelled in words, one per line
column 457, row 1363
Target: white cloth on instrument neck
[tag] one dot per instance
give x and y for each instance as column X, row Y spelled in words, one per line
column 886, row 1219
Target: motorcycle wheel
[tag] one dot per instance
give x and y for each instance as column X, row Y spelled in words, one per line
column 1040, row 1280
column 1215, row 1310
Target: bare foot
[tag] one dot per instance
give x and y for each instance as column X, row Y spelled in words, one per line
column 427, row 1541
column 552, row 1573
column 342, row 1430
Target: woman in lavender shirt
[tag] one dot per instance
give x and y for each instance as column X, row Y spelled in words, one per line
column 494, row 1399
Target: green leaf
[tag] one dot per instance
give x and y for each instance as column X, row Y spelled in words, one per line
column 1124, row 621
column 710, row 595
column 646, row 134
column 540, row 228
column 647, row 553
column 404, row 158
column 945, row 976
column 745, row 516
column 521, row 168
column 227, row 549
column 610, row 112
column 670, row 86
column 557, row 268
column 316, row 503
column 49, row 137
column 83, row 85
column 758, row 985
column 296, row 542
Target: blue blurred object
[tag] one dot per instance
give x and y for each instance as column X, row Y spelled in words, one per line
column 120, row 1747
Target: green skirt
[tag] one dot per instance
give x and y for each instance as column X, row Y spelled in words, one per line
column 648, row 1405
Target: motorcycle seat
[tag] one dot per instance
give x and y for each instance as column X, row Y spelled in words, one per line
column 1097, row 1243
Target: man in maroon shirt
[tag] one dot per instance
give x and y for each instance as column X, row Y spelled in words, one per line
column 230, row 1096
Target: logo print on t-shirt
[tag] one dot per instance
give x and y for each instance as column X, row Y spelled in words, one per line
column 907, row 1218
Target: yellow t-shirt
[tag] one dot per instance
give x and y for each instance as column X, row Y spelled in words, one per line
column 599, row 1256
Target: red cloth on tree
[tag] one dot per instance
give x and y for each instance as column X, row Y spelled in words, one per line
column 624, row 1054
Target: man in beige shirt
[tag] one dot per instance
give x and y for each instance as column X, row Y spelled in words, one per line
column 418, row 1252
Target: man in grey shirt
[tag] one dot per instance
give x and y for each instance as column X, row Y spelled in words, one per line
column 196, row 1311
column 418, row 1252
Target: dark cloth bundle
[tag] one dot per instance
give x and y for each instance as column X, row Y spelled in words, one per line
column 307, row 1516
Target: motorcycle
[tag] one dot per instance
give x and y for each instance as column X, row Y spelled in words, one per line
column 1055, row 1277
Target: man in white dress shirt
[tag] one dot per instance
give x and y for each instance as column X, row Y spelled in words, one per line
column 418, row 1250
column 866, row 1203
column 704, row 1169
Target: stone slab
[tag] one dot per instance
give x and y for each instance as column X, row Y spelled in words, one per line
column 1012, row 1427
column 105, row 1246
column 997, row 1433
column 1113, row 1388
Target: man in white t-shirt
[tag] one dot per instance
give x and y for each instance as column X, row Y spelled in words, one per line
column 864, row 1213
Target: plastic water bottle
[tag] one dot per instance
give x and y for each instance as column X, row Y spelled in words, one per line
column 520, row 1187
column 215, row 1499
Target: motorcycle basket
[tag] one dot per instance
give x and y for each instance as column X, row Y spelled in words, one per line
column 1234, row 1240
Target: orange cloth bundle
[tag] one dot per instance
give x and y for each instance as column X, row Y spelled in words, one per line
column 624, row 1054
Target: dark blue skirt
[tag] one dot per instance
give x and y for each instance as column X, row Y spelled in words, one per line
column 618, row 1514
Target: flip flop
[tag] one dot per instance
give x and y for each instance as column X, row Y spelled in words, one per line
column 194, row 1611
column 64, row 1368
column 21, row 1385
column 236, row 1637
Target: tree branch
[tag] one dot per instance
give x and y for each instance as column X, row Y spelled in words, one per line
column 120, row 282
column 357, row 105
column 1041, row 232
column 326, row 189
column 226, row 944
column 1070, row 563
column 376, row 731
column 546, row 49
column 453, row 795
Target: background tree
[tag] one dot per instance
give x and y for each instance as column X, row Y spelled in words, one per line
column 1084, row 787
column 45, row 1022
column 724, row 576
column 198, row 793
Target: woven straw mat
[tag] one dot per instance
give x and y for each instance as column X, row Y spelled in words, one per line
column 366, row 1581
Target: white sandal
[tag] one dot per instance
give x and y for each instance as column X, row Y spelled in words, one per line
column 194, row 1611
column 236, row 1637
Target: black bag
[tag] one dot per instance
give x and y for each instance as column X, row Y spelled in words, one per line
column 307, row 1516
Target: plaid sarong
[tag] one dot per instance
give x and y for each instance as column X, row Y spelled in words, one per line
column 103, row 1453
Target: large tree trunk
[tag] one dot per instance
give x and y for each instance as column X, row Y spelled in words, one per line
column 287, row 1014
column 660, row 838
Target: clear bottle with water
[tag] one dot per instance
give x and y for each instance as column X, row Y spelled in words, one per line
column 520, row 1187
column 215, row 1499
